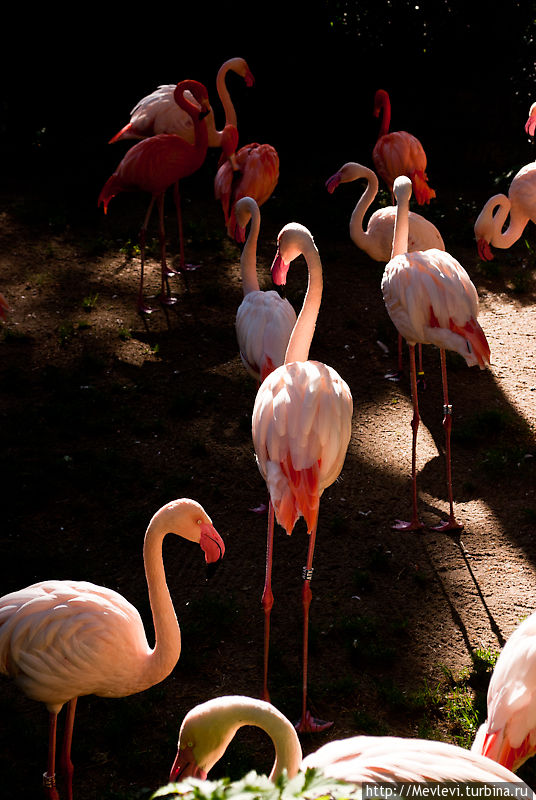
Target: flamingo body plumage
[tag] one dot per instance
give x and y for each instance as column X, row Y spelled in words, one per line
column 253, row 172
column 520, row 205
column 508, row 735
column 530, row 124
column 399, row 153
column 264, row 320
column 208, row 729
column 60, row 640
column 301, row 428
column 158, row 112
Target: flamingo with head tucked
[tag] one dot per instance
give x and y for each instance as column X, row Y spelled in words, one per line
column 264, row 320
column 159, row 113
column 209, row 728
column 153, row 165
column 377, row 240
column 60, row 640
column 509, row 734
column 399, row 153
column 431, row 299
column 520, row 205
column 301, row 427
column 530, row 124
column 253, row 171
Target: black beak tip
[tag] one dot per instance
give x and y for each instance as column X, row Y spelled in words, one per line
column 211, row 568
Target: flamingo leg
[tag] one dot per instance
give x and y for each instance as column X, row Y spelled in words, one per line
column 165, row 297
column 49, row 777
column 183, row 267
column 307, row 723
column 143, row 308
column 66, row 763
column 451, row 524
column 421, row 383
column 415, row 523
column 267, row 597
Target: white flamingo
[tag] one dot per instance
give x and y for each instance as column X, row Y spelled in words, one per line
column 208, row 729
column 264, row 320
column 301, row 427
column 158, row 113
column 520, row 205
column 60, row 640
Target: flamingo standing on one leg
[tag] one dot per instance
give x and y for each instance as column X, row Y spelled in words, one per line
column 399, row 153
column 509, row 734
column 431, row 299
column 208, row 729
column 520, row 205
column 253, row 172
column 159, row 113
column 60, row 640
column 154, row 164
column 264, row 320
column 301, row 428
column 377, row 239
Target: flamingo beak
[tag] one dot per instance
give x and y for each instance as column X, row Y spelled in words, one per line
column 185, row 766
column 333, row 182
column 213, row 547
column 279, row 271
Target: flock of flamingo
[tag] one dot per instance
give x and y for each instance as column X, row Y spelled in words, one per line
column 60, row 640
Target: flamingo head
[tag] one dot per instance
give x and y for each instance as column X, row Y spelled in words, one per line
column 530, row 125
column 200, row 94
column 248, row 77
column 333, row 182
column 484, row 249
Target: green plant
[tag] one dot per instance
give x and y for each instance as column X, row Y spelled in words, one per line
column 89, row 302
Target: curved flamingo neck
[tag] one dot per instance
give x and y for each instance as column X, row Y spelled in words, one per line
column 497, row 219
column 303, row 331
column 167, row 648
column 382, row 105
column 402, row 191
column 357, row 232
column 223, row 93
column 199, row 122
column 248, row 259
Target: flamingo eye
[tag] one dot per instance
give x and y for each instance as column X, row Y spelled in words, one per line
column 199, row 522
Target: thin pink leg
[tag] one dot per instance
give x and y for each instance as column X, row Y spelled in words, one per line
column 49, row 778
column 267, row 597
column 165, row 297
column 143, row 308
column 65, row 762
column 451, row 524
column 307, row 723
column 421, row 383
column 415, row 523
column 183, row 267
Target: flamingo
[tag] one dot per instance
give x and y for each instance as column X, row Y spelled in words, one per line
column 252, row 172
column 520, row 205
column 431, row 299
column 60, row 640
column 509, row 734
column 301, row 426
column 208, row 729
column 530, row 125
column 153, row 165
column 377, row 239
column 264, row 320
column 399, row 153
column 158, row 112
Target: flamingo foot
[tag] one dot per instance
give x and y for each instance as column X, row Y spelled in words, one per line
column 448, row 525
column 309, row 724
column 395, row 376
column 260, row 509
column 167, row 300
column 401, row 525
column 49, row 785
column 144, row 309
column 189, row 267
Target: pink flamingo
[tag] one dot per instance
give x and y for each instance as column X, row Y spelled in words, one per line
column 252, row 172
column 399, row 153
column 60, row 640
column 158, row 112
column 509, row 734
column 431, row 299
column 153, row 165
column 377, row 239
column 301, row 426
column 264, row 320
column 530, row 125
column 208, row 729
column 520, row 205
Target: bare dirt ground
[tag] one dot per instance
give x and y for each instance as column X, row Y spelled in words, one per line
column 103, row 421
